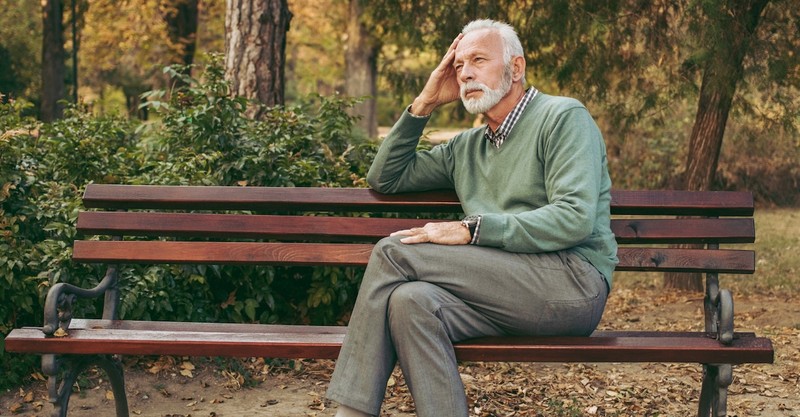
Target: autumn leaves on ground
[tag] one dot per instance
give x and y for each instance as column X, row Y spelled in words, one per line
column 199, row 387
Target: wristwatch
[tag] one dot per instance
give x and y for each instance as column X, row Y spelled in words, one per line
column 471, row 223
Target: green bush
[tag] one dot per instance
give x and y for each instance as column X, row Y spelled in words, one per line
column 43, row 169
column 201, row 137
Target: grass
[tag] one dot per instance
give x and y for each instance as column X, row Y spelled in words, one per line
column 777, row 247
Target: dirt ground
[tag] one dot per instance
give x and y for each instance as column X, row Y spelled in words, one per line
column 207, row 387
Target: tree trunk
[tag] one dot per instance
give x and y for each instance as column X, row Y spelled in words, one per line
column 735, row 23
column 181, row 17
column 255, row 48
column 53, row 54
column 361, row 69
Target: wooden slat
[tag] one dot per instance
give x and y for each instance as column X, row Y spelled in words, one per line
column 222, row 253
column 264, row 198
column 735, row 230
column 698, row 348
column 631, row 259
column 686, row 260
column 241, row 226
column 176, row 326
column 202, row 339
column 683, row 203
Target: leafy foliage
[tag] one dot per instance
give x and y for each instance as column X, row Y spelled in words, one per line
column 202, row 137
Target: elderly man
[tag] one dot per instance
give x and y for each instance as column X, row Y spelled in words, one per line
column 533, row 256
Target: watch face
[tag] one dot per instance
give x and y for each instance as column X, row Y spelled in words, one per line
column 470, row 220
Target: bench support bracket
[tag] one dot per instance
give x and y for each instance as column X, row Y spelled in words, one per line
column 72, row 365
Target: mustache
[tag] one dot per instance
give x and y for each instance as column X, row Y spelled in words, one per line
column 472, row 86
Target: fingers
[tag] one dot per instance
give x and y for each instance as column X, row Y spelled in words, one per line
column 450, row 55
column 415, row 235
column 442, row 85
column 455, row 42
column 445, row 233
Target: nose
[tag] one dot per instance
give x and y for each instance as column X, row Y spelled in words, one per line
column 466, row 73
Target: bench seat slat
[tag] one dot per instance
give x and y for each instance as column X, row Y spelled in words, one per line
column 324, row 342
column 243, row 226
column 114, row 196
column 177, row 326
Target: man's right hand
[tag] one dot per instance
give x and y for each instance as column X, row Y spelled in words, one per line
column 442, row 86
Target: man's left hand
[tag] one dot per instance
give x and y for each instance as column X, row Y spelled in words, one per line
column 443, row 233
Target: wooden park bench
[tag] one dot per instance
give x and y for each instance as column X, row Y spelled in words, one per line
column 195, row 225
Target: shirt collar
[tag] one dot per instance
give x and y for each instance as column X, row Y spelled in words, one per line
column 499, row 136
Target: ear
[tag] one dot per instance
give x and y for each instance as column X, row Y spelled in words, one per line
column 518, row 68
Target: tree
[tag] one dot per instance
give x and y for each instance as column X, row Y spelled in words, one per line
column 53, row 55
column 255, row 49
column 361, row 62
column 316, row 48
column 733, row 24
column 20, row 49
column 182, row 17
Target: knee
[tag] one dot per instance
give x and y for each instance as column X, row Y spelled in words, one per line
column 408, row 303
column 386, row 247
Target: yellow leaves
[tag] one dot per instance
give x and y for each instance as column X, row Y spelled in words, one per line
column 230, row 301
column 186, row 369
column 5, row 191
column 60, row 333
column 162, row 364
column 27, row 402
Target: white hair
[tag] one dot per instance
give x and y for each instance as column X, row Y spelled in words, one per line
column 511, row 45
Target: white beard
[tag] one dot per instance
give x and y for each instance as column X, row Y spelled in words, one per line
column 489, row 98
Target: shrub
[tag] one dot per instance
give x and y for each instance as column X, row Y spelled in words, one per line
column 201, row 138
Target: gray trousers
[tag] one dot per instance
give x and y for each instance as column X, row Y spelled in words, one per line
column 416, row 300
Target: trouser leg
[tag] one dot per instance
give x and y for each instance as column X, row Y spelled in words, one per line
column 423, row 320
column 539, row 294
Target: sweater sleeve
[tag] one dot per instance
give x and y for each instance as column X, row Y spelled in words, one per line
column 399, row 167
column 573, row 154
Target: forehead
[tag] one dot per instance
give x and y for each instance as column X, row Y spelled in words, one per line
column 484, row 41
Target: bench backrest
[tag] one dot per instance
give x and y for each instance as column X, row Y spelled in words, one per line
column 329, row 226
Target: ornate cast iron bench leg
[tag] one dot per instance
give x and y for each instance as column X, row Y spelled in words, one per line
column 714, row 396
column 717, row 377
column 72, row 366
column 58, row 315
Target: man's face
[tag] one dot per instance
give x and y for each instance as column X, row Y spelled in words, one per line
column 483, row 76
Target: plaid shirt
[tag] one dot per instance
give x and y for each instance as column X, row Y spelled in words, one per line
column 498, row 137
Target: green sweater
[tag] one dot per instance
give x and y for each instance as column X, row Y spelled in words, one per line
column 545, row 189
